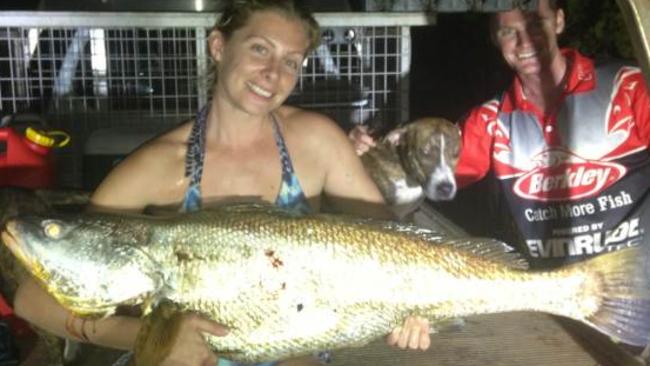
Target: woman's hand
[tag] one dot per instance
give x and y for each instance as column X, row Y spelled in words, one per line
column 361, row 139
column 413, row 334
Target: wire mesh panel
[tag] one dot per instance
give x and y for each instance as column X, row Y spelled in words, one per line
column 355, row 76
column 85, row 72
column 149, row 72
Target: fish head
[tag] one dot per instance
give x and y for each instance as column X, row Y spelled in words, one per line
column 89, row 264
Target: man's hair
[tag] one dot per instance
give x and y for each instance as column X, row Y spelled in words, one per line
column 236, row 13
column 557, row 4
column 553, row 4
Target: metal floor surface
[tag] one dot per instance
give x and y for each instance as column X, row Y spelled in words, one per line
column 511, row 339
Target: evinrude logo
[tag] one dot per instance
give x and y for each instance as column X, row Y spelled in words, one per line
column 565, row 176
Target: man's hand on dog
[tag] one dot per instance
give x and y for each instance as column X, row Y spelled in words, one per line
column 413, row 334
column 361, row 139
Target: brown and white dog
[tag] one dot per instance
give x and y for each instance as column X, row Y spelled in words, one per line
column 415, row 161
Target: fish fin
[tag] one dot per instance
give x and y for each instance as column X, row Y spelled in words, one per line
column 487, row 248
column 490, row 249
column 148, row 305
column 254, row 207
column 157, row 334
column 624, row 294
column 428, row 235
column 236, row 207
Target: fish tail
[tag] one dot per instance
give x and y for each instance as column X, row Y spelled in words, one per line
column 622, row 292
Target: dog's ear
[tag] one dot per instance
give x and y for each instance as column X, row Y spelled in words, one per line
column 396, row 136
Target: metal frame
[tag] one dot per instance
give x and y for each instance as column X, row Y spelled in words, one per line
column 205, row 20
column 145, row 71
column 637, row 17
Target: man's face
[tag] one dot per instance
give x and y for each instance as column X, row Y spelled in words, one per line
column 528, row 39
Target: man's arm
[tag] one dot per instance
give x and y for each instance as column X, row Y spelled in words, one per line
column 641, row 109
column 476, row 140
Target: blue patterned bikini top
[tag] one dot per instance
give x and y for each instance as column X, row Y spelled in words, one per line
column 290, row 195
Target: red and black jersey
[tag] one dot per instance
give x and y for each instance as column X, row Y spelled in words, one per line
column 577, row 183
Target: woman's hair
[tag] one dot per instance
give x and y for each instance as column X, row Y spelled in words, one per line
column 236, row 13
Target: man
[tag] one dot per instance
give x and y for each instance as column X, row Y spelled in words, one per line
column 568, row 144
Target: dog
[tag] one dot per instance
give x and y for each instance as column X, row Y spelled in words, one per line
column 414, row 162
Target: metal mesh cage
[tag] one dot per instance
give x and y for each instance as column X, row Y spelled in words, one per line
column 84, row 71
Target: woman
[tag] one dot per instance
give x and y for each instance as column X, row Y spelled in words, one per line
column 245, row 145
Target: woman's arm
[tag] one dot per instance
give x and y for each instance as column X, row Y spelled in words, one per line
column 346, row 183
column 141, row 180
column 120, row 191
column 35, row 305
column 348, row 178
column 137, row 182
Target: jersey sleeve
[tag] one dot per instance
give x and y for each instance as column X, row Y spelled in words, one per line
column 474, row 161
column 641, row 110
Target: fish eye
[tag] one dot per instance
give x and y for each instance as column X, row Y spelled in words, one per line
column 52, row 230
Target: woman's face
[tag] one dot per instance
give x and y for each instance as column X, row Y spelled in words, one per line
column 259, row 64
column 528, row 40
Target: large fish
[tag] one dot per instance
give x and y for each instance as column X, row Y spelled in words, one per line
column 288, row 285
column 48, row 349
column 20, row 201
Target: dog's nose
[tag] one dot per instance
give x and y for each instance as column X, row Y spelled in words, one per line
column 445, row 189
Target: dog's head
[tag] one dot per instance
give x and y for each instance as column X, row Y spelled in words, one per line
column 428, row 149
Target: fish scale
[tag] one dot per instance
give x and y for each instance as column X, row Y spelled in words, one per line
column 288, row 285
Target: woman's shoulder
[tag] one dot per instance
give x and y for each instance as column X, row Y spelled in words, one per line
column 155, row 158
column 150, row 169
column 165, row 145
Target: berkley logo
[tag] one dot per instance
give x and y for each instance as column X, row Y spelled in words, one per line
column 568, row 180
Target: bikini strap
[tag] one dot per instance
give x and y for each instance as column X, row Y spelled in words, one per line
column 194, row 161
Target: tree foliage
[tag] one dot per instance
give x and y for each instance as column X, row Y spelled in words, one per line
column 597, row 28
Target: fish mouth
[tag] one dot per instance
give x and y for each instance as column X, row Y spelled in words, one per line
column 12, row 241
column 9, row 238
